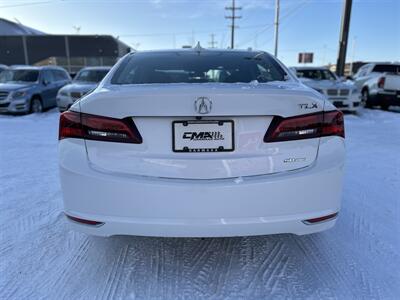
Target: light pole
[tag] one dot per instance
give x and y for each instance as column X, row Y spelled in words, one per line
column 276, row 23
column 344, row 34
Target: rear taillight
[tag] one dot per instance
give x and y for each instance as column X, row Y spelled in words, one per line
column 333, row 124
column 305, row 127
column 92, row 127
column 381, row 82
column 70, row 126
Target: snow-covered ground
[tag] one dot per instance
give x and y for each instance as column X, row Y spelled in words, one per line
column 41, row 258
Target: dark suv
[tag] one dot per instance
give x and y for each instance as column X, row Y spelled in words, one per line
column 26, row 89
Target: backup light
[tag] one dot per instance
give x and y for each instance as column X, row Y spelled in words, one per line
column 108, row 134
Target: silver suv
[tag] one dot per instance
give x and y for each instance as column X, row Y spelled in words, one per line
column 84, row 82
column 26, row 89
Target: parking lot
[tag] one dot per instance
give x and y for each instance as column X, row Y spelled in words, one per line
column 42, row 258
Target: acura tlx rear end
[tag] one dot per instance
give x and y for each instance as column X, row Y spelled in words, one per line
column 201, row 143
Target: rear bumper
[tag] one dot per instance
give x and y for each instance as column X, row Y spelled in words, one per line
column 202, row 228
column 386, row 98
column 148, row 206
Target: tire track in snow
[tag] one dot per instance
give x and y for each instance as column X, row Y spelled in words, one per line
column 275, row 252
column 160, row 266
column 202, row 273
column 5, row 248
column 229, row 257
column 61, row 270
column 28, row 224
column 270, row 278
column 321, row 267
column 352, row 263
column 200, row 253
column 36, row 250
column 338, row 265
column 366, row 231
column 219, row 272
column 74, row 262
column 279, row 275
column 195, row 257
column 179, row 268
column 113, row 279
column 7, row 288
column 272, row 275
column 246, row 260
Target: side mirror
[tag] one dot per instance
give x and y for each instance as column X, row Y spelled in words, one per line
column 349, row 77
column 45, row 81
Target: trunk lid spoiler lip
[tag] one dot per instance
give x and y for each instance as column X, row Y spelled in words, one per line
column 227, row 101
column 233, row 179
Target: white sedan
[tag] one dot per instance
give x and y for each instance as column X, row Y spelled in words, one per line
column 201, row 143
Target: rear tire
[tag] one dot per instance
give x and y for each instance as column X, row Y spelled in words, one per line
column 385, row 107
column 365, row 99
column 36, row 106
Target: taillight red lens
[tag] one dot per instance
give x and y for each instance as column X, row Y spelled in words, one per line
column 381, row 82
column 333, row 124
column 305, row 127
column 92, row 127
column 70, row 125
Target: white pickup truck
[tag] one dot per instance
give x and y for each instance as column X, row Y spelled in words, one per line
column 379, row 84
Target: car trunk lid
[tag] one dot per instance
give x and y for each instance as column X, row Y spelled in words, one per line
column 156, row 108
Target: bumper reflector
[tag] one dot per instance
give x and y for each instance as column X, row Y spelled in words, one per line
column 83, row 221
column 320, row 219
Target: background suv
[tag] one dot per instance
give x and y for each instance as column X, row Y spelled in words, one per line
column 344, row 95
column 84, row 82
column 379, row 84
column 25, row 89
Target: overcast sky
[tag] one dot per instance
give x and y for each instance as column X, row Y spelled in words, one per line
column 306, row 25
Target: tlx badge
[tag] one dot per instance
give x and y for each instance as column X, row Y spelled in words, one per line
column 308, row 105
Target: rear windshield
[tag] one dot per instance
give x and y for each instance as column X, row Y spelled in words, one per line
column 91, row 75
column 145, row 68
column 386, row 68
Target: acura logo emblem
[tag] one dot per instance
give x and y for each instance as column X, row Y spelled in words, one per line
column 203, row 105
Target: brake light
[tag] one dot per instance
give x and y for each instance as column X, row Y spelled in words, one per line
column 98, row 128
column 381, row 82
column 305, row 127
